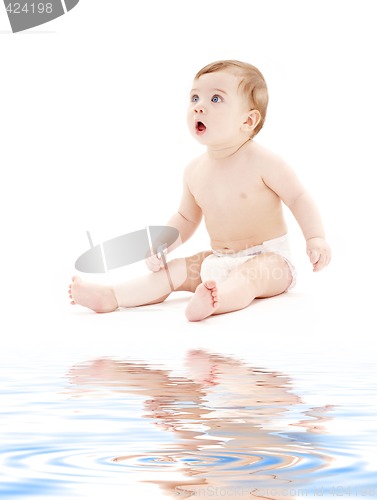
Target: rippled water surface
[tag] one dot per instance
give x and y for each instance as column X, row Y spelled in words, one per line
column 215, row 427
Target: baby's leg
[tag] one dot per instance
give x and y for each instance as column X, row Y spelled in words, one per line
column 149, row 289
column 265, row 275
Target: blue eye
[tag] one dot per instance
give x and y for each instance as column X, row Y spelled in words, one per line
column 194, row 98
column 216, row 98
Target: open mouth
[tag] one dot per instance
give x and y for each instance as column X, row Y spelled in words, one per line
column 200, row 127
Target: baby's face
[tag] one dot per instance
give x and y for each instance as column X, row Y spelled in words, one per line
column 217, row 110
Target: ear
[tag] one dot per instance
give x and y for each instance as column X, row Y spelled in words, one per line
column 252, row 120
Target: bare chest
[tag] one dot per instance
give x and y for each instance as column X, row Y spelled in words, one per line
column 227, row 190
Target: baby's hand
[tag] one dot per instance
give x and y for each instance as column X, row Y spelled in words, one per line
column 319, row 253
column 155, row 262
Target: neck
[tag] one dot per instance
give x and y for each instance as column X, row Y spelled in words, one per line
column 222, row 153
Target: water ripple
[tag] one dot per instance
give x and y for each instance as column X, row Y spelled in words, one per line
column 226, row 424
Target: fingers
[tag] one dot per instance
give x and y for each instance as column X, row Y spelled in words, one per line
column 156, row 267
column 154, row 263
column 314, row 256
column 319, row 259
column 323, row 262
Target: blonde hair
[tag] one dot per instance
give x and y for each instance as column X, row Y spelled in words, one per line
column 252, row 84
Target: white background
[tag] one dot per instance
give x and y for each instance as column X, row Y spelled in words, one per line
column 94, row 137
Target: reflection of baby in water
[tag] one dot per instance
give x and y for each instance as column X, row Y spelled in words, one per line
column 226, row 418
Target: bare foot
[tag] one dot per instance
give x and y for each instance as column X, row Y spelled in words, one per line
column 204, row 302
column 99, row 298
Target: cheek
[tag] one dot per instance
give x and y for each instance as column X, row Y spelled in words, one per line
column 230, row 124
column 237, row 122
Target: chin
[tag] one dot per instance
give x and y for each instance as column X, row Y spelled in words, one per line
column 201, row 139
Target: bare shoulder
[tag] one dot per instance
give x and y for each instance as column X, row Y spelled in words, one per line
column 272, row 168
column 265, row 158
column 277, row 174
column 192, row 167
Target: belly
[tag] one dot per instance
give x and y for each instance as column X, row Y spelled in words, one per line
column 235, row 239
column 236, row 222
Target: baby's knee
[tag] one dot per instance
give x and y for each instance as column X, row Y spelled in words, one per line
column 272, row 273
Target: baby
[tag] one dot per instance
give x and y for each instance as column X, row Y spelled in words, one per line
column 238, row 187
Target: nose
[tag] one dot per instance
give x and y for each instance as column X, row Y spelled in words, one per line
column 199, row 108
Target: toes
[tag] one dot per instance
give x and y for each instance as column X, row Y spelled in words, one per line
column 211, row 285
column 76, row 279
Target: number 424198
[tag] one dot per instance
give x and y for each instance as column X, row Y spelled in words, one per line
column 33, row 8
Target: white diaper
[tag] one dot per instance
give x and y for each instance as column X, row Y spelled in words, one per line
column 219, row 265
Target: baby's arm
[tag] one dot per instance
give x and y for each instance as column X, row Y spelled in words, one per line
column 188, row 216
column 307, row 215
column 186, row 220
column 284, row 182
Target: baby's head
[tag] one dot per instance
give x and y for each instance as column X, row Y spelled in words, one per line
column 251, row 84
